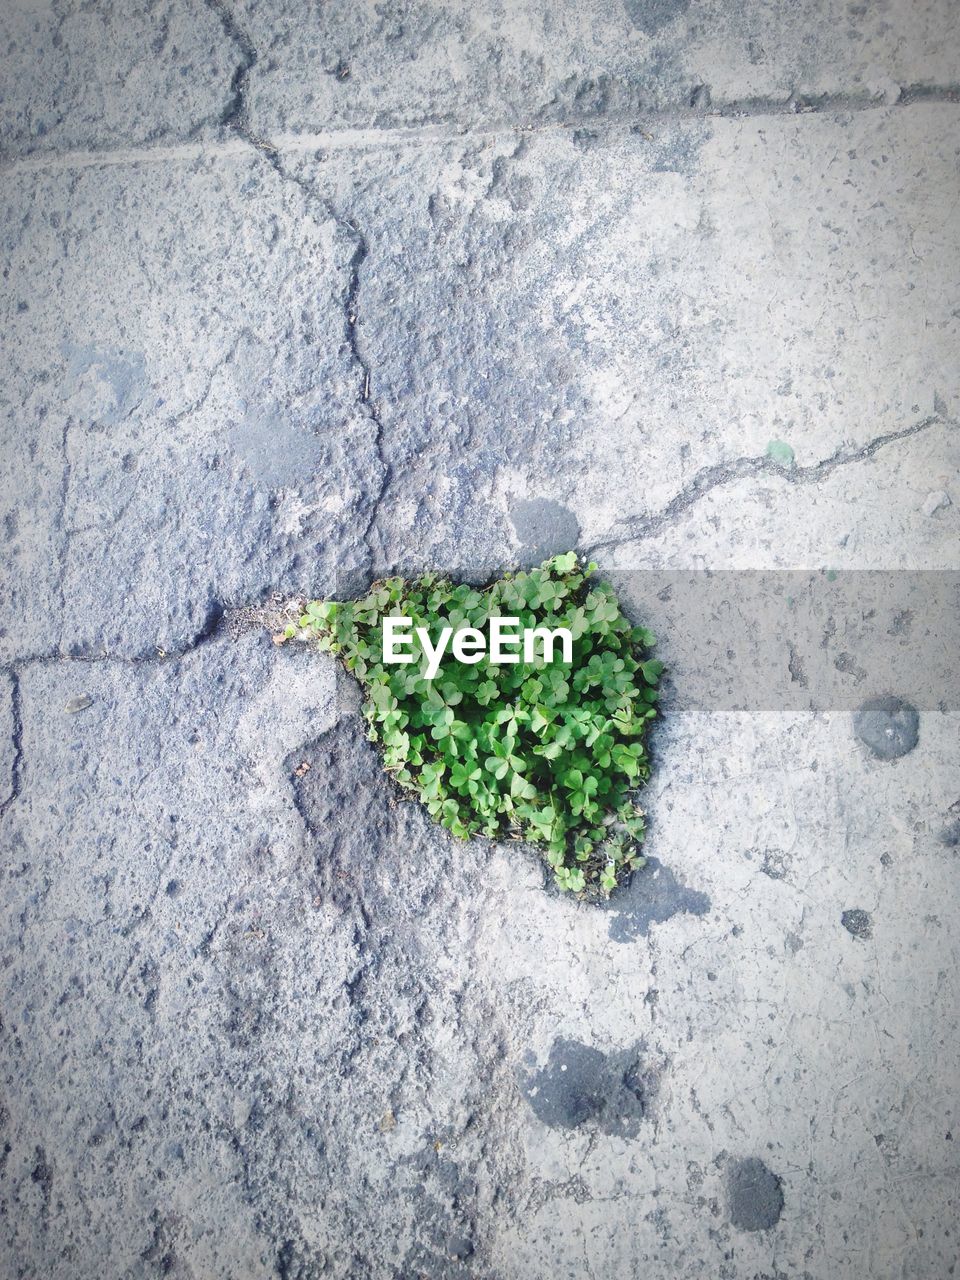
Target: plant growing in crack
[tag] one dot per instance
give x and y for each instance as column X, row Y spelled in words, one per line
column 546, row 751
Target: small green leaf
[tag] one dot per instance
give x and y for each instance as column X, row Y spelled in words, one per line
column 781, row 453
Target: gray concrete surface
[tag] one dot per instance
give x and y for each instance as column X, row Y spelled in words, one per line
column 296, row 294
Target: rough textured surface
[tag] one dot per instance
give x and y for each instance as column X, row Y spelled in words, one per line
column 80, row 75
column 170, row 71
column 297, row 294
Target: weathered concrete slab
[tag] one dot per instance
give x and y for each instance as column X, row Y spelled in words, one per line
column 475, row 65
column 857, row 517
column 293, row 296
column 655, row 308
column 167, row 457
column 828, row 1041
column 634, row 308
column 303, row 1027
column 205, row 933
column 75, row 75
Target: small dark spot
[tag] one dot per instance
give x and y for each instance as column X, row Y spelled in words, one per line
column 173, row 888
column 774, row 864
column 586, row 139
column 42, row 1175
column 795, row 667
column 857, row 922
column 650, row 16
column 950, row 835
column 755, row 1195
column 460, row 1247
column 593, row 95
column 888, row 727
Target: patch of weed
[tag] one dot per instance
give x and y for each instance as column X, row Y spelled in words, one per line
column 546, row 752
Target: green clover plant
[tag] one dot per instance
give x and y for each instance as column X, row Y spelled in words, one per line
column 546, row 752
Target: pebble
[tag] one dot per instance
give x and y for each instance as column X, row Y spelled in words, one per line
column 934, row 502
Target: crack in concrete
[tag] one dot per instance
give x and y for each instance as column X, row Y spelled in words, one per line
column 61, row 516
column 389, row 137
column 351, row 313
column 235, row 114
column 175, row 420
column 217, row 620
column 237, row 117
column 815, row 103
column 16, row 768
column 222, row 617
column 639, row 528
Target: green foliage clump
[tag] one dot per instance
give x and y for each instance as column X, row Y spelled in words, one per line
column 549, row 753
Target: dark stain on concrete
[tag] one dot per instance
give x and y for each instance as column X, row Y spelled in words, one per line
column 888, row 727
column 857, row 922
column 544, row 528
column 651, row 16
column 110, row 383
column 582, row 1087
column 652, row 896
column 277, row 451
column 755, row 1195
